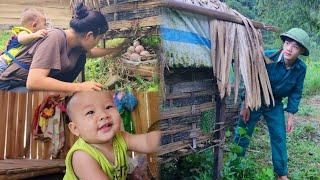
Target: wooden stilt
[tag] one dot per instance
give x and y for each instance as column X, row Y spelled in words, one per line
column 218, row 150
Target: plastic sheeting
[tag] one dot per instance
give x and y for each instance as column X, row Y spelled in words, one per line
column 186, row 39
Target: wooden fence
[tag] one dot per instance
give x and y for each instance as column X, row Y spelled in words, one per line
column 16, row 140
column 22, row 156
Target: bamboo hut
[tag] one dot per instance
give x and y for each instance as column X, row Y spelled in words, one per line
column 209, row 49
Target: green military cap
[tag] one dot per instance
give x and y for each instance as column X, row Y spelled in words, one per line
column 300, row 36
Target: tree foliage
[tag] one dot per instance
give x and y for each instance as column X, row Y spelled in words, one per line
column 284, row 14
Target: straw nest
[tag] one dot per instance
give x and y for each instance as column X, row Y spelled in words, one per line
column 124, row 72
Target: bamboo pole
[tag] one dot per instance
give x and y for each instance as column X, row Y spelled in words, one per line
column 213, row 14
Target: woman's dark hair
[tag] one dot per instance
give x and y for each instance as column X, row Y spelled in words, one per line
column 85, row 20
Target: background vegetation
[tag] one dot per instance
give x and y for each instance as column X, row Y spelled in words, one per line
column 284, row 14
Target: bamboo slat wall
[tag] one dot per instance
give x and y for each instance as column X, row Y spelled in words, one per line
column 190, row 92
column 132, row 18
column 127, row 13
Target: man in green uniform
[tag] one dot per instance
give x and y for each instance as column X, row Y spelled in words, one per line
column 286, row 74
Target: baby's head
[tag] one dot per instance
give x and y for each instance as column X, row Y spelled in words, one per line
column 94, row 117
column 33, row 20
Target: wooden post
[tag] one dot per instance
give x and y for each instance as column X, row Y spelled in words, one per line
column 218, row 150
column 219, row 119
column 3, row 121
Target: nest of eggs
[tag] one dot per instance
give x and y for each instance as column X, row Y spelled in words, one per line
column 140, row 61
column 137, row 54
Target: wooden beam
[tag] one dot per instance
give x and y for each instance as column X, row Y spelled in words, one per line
column 186, row 110
column 175, row 146
column 213, row 14
column 179, row 95
column 127, row 24
column 116, row 8
column 129, row 32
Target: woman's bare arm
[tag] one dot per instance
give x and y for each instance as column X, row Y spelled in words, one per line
column 101, row 52
column 110, row 51
column 38, row 80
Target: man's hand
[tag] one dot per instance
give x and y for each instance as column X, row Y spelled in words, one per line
column 245, row 113
column 290, row 123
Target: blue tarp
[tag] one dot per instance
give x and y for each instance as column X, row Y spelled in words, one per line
column 186, row 39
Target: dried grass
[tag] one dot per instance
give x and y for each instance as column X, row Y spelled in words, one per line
column 125, row 81
column 243, row 45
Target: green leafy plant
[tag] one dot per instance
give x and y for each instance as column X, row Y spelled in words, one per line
column 207, row 122
column 193, row 166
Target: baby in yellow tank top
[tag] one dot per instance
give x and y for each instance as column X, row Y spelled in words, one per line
column 33, row 27
column 101, row 150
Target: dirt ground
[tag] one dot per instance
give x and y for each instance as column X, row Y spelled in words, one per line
column 310, row 115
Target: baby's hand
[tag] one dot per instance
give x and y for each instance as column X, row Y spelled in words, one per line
column 41, row 33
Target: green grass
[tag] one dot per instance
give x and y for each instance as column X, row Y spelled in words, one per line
column 93, row 69
column 312, row 80
column 4, row 37
column 303, row 151
column 308, row 110
column 308, row 106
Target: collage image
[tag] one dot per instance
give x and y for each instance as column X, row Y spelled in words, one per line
column 159, row 89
